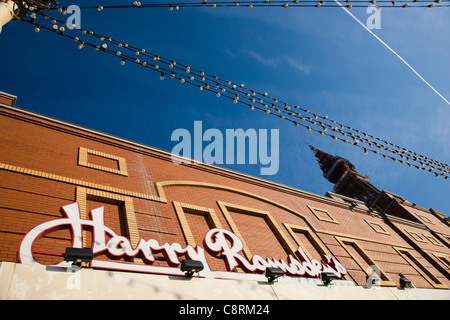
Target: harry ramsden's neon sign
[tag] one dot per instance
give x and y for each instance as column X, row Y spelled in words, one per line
column 218, row 241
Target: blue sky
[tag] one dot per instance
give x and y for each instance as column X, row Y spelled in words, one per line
column 319, row 58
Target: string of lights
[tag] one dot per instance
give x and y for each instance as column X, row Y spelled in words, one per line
column 239, row 93
column 274, row 4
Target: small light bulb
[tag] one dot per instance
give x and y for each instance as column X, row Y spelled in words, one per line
column 122, row 62
column 162, row 76
column 80, row 46
column 37, row 29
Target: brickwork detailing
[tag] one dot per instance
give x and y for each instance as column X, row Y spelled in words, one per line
column 182, row 208
column 416, row 236
column 161, row 197
column 433, row 240
column 312, row 238
column 323, row 215
column 83, row 161
column 377, row 227
column 160, row 186
column 420, row 268
column 278, row 232
column 78, row 182
column 443, row 259
column 84, row 194
column 362, row 258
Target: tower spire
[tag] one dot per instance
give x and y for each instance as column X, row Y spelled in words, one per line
column 347, row 181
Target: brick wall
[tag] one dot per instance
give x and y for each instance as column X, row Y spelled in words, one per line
column 45, row 164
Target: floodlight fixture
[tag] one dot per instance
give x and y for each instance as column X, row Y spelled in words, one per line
column 190, row 267
column 273, row 273
column 327, row 277
column 78, row 255
column 405, row 282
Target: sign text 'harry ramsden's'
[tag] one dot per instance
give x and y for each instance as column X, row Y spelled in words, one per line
column 217, row 241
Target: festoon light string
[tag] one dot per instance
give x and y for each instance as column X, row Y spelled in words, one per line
column 176, row 5
column 240, row 94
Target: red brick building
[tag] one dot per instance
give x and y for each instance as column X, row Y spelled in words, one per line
column 46, row 164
